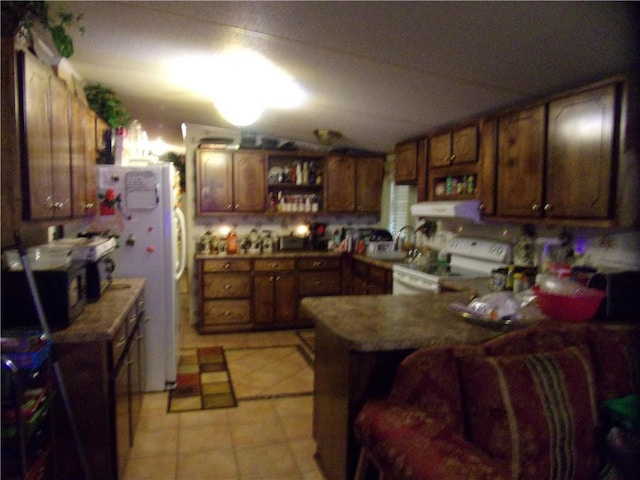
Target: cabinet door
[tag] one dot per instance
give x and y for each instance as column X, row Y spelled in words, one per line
column 285, row 307
column 464, row 145
column 440, row 150
column 249, row 188
column 486, row 188
column 122, row 414
column 83, row 172
column 36, row 152
column 263, row 297
column 60, row 149
column 406, row 163
column 90, row 160
column 520, row 163
column 340, row 180
column 579, row 155
column 214, row 182
column 369, row 177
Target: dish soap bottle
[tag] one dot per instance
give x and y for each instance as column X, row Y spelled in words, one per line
column 232, row 242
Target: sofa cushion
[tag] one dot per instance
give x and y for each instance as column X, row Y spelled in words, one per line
column 536, row 411
column 428, row 379
column 409, row 444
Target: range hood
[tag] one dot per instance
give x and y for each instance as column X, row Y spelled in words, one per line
column 466, row 210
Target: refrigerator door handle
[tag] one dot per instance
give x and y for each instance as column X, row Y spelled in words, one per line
column 183, row 243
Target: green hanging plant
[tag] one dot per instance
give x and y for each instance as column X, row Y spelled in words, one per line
column 106, row 104
column 23, row 16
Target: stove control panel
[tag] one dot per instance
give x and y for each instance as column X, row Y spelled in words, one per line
column 482, row 249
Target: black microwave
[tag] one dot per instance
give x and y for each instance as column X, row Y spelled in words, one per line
column 62, row 294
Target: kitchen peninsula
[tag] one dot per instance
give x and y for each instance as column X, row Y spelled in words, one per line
column 360, row 340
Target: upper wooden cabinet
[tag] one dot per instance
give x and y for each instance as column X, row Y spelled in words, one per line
column 579, row 155
column 45, row 156
column 458, row 146
column 353, row 184
column 406, row 163
column 520, row 162
column 230, row 182
column 573, row 177
column 249, row 188
column 82, row 122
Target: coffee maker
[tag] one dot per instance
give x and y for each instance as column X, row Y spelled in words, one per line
column 317, row 239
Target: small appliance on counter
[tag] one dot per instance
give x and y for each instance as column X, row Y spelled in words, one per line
column 61, row 290
column 95, row 251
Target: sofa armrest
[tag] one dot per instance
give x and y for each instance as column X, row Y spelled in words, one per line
column 406, row 443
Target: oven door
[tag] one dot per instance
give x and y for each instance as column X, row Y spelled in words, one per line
column 413, row 283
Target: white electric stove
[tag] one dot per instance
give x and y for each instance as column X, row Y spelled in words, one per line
column 470, row 258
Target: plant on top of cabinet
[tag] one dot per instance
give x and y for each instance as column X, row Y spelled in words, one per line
column 18, row 16
column 105, row 103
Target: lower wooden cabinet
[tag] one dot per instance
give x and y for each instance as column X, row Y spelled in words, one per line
column 260, row 293
column 105, row 380
column 369, row 279
column 274, row 292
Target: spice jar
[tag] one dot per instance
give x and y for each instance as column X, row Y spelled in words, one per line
column 232, row 242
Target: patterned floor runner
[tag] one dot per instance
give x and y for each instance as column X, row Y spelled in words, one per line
column 203, row 381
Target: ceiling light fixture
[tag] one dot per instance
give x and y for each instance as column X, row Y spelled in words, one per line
column 244, row 84
column 326, row 136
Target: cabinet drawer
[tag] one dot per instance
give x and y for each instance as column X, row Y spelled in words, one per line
column 119, row 341
column 318, row 263
column 226, row 265
column 270, row 265
column 225, row 312
column 231, row 285
column 319, row 283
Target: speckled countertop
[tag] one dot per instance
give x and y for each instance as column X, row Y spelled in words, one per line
column 369, row 323
column 288, row 254
column 99, row 321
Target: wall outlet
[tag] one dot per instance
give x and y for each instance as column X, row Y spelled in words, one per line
column 51, row 233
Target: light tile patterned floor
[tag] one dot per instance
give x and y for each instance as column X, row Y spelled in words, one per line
column 267, row 439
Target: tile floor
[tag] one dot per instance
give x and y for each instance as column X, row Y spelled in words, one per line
column 268, row 439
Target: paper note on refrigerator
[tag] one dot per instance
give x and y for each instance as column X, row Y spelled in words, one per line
column 141, row 190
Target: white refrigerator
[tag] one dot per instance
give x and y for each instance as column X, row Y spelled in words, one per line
column 141, row 203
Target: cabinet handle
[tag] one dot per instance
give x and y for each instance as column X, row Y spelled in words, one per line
column 278, row 278
column 237, row 206
column 535, row 207
column 121, row 342
column 452, row 157
column 317, row 264
column 274, row 265
column 227, row 266
column 230, row 207
column 271, row 278
column 318, row 283
column 227, row 286
column 227, row 313
column 133, row 319
column 88, row 206
column 548, row 207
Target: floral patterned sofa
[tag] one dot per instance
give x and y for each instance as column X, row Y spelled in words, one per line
column 525, row 405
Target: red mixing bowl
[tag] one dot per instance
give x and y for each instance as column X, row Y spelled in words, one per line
column 578, row 308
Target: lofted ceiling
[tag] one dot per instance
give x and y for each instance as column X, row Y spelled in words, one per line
column 379, row 72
